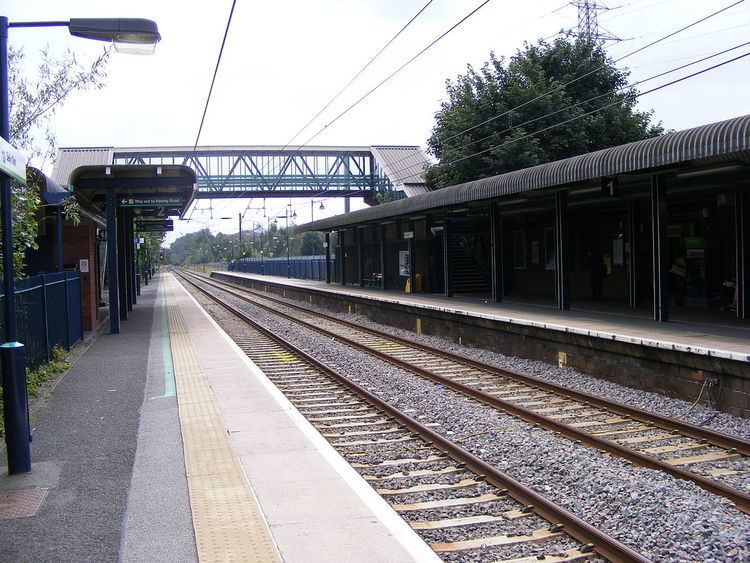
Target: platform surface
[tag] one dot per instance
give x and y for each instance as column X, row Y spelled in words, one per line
column 726, row 338
column 164, row 437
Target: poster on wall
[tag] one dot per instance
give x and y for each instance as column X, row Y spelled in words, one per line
column 404, row 268
column 519, row 250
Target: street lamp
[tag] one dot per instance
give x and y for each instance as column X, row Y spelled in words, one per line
column 127, row 35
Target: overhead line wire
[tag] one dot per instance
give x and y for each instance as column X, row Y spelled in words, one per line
column 410, row 61
column 580, row 77
column 576, row 79
column 588, row 100
column 335, row 97
column 581, row 116
column 341, row 91
column 213, row 80
column 394, row 73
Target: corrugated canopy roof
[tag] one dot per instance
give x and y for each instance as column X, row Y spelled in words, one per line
column 717, row 142
column 68, row 159
column 403, row 165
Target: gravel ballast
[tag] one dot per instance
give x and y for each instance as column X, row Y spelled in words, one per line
column 663, row 518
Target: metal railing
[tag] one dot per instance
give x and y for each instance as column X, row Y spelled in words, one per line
column 49, row 314
column 299, row 267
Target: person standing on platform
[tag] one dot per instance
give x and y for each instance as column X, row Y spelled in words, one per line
column 678, row 273
column 597, row 271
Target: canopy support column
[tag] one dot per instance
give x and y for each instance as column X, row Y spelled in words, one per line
column 328, row 258
column 496, row 236
column 562, row 290
column 341, row 257
column 659, row 243
column 410, row 246
column 632, row 257
column 742, row 223
column 360, row 258
column 112, row 261
column 121, row 271
column 447, row 281
column 383, row 261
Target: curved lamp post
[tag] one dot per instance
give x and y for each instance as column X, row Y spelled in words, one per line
column 130, row 36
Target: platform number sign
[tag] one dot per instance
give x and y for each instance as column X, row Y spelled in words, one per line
column 83, row 265
column 610, row 186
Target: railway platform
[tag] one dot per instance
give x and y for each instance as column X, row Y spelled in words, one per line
column 674, row 358
column 166, row 443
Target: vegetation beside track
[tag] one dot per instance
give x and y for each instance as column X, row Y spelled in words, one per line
column 36, row 378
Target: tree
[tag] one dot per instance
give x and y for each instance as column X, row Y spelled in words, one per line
column 538, row 77
column 311, row 244
column 32, row 103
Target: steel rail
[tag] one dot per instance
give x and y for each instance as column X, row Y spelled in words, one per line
column 740, row 498
column 582, row 531
column 691, row 430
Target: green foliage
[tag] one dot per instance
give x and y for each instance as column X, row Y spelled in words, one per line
column 72, row 210
column 203, row 247
column 36, row 378
column 148, row 253
column 500, row 85
column 311, row 244
column 32, row 103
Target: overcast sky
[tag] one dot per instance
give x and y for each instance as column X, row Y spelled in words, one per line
column 284, row 59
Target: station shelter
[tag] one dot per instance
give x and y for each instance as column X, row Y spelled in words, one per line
column 118, row 202
column 659, row 226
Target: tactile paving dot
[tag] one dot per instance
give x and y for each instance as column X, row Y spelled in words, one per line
column 21, row 503
column 227, row 520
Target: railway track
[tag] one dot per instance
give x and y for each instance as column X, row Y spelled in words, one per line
column 717, row 462
column 460, row 505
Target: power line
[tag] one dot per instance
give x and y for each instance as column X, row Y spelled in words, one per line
column 394, row 73
column 349, row 83
column 216, row 70
column 591, row 112
column 580, row 77
column 406, row 64
column 577, row 78
column 213, row 80
column 594, row 98
column 335, row 97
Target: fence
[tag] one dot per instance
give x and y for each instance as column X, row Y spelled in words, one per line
column 48, row 313
column 299, row 267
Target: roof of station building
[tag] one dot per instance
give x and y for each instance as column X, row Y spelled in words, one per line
column 724, row 141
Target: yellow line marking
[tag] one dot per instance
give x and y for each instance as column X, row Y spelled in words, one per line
column 227, row 520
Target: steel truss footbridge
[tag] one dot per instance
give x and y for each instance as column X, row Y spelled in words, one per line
column 267, row 171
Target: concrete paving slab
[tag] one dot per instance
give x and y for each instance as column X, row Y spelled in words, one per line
column 358, row 542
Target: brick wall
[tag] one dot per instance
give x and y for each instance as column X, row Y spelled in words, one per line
column 79, row 243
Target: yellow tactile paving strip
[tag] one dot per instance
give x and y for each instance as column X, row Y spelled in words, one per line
column 226, row 518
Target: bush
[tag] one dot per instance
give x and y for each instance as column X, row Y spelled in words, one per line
column 37, row 377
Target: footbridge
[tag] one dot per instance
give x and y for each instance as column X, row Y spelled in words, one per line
column 269, row 171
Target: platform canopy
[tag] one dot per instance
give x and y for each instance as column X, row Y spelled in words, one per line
column 161, row 190
column 134, row 199
column 724, row 145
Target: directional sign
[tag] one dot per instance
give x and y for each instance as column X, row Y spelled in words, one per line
column 161, row 222
column 12, row 161
column 160, row 212
column 154, row 227
column 152, row 201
